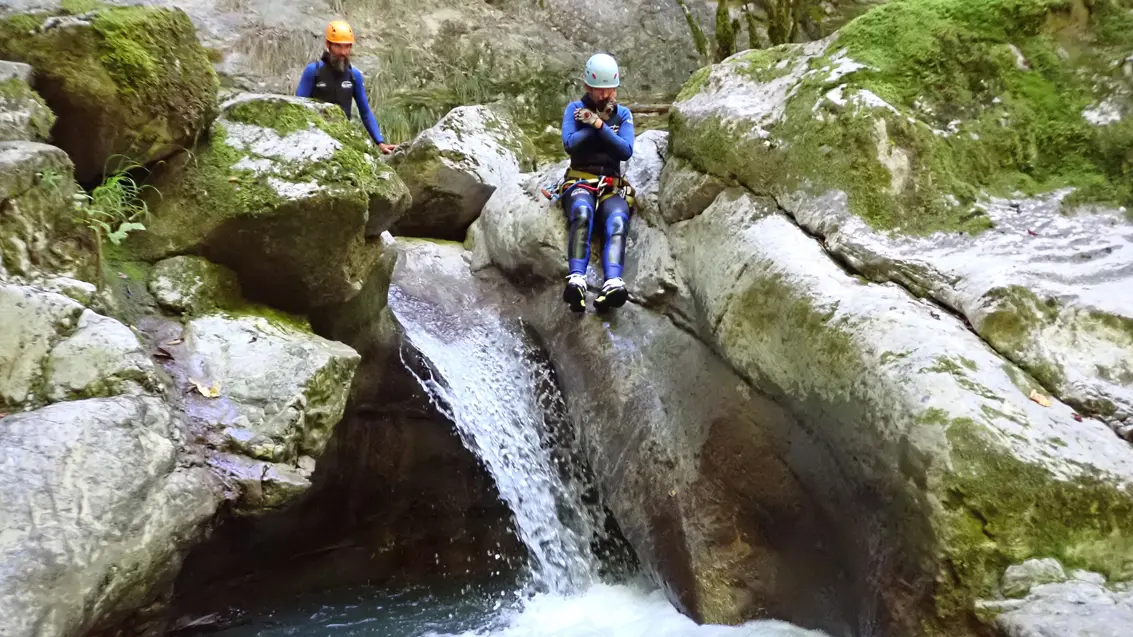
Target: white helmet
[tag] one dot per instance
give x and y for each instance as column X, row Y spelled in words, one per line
column 601, row 72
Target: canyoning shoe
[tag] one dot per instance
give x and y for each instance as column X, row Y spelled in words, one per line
column 613, row 294
column 574, row 294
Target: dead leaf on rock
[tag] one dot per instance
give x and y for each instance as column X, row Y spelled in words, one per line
column 175, row 341
column 1039, row 398
column 205, row 390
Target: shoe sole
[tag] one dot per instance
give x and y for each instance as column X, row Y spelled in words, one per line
column 575, row 298
column 615, row 298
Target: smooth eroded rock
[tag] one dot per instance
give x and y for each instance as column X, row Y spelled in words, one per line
column 453, row 168
column 54, row 349
column 1047, row 287
column 1080, row 607
column 128, row 84
column 643, row 170
column 287, row 194
column 522, row 232
column 24, row 115
column 918, row 411
column 95, row 513
column 685, row 192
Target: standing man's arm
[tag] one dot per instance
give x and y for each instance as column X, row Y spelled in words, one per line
column 306, row 86
column 367, row 115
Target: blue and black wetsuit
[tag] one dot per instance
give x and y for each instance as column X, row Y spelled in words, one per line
column 599, row 151
column 323, row 82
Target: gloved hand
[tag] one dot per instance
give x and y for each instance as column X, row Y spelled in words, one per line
column 609, row 109
column 587, row 116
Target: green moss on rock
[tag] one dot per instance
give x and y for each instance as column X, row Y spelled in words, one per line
column 131, row 81
column 694, row 83
column 1001, row 511
column 988, row 97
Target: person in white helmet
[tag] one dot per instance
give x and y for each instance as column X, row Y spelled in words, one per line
column 598, row 136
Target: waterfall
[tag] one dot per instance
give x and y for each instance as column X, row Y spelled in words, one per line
column 481, row 374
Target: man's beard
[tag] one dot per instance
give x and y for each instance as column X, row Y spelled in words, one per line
column 338, row 62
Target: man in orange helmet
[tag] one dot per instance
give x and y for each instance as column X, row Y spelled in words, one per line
column 332, row 79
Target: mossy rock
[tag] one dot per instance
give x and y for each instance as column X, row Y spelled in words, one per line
column 39, row 234
column 286, row 193
column 916, row 109
column 193, row 285
column 24, row 115
column 127, row 83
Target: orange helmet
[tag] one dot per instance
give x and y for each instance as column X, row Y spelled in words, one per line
column 339, row 32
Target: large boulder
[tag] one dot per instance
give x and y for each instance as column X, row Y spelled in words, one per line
column 968, row 465
column 944, row 163
column 128, row 84
column 287, row 194
column 40, row 235
column 24, row 115
column 520, row 231
column 262, row 387
column 96, row 513
column 455, row 166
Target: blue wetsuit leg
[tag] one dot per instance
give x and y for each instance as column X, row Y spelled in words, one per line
column 578, row 204
column 615, row 214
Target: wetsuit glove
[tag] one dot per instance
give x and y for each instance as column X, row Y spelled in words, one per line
column 608, row 110
column 586, row 116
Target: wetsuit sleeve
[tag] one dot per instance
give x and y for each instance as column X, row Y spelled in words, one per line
column 364, row 111
column 573, row 132
column 621, row 143
column 306, row 86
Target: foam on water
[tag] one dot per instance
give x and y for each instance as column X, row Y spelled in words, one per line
column 619, row 611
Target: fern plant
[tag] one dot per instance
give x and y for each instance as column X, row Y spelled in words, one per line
column 115, row 208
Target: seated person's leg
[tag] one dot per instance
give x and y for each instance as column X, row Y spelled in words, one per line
column 579, row 206
column 614, row 212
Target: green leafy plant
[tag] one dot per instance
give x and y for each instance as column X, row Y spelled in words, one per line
column 115, row 208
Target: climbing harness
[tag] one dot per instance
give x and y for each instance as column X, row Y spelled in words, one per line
column 602, row 186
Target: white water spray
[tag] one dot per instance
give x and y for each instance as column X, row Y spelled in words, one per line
column 484, row 383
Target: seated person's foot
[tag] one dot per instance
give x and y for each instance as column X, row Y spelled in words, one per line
column 574, row 294
column 613, row 294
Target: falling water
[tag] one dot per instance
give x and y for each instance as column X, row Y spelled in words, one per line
column 480, row 375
